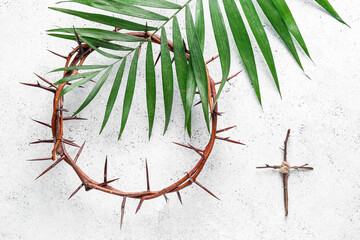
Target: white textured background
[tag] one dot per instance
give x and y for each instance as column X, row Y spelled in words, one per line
column 323, row 113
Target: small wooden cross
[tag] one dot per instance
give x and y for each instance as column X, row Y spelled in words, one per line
column 284, row 169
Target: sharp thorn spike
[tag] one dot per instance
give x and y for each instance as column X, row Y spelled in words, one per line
column 48, row 82
column 147, row 176
column 76, row 190
column 81, row 49
column 188, row 146
column 106, row 183
column 79, row 152
column 225, row 129
column 218, row 113
column 179, row 196
column 166, row 198
column 38, row 85
column 39, row 159
column 59, row 55
column 157, row 59
column 197, row 183
column 211, row 59
column 197, row 151
column 197, row 103
column 42, row 123
column 185, row 46
column 62, row 110
column 49, row 168
column 230, row 140
column 231, row 77
column 105, row 170
column 42, row 141
column 71, row 143
column 122, row 211
column 73, row 118
column 139, row 206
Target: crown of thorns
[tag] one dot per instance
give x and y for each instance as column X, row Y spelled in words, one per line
column 59, row 153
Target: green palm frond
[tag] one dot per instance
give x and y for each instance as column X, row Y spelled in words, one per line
column 188, row 58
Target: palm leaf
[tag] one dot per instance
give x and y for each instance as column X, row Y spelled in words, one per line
column 243, row 43
column 79, row 83
column 327, row 6
column 197, row 64
column 94, row 91
column 129, row 92
column 279, row 25
column 190, row 94
column 150, row 86
column 122, row 8
column 180, row 63
column 191, row 71
column 290, row 23
column 98, row 34
column 106, row 20
column 200, row 23
column 222, row 42
column 152, row 3
column 113, row 93
column 260, row 36
column 167, row 77
column 82, row 67
column 75, row 77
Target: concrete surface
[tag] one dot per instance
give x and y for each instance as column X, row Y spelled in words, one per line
column 323, row 113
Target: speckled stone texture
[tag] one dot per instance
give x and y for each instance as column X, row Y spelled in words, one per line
column 323, row 113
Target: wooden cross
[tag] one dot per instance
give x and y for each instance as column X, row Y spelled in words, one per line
column 284, row 169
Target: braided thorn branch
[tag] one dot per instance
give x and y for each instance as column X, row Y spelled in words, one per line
column 77, row 58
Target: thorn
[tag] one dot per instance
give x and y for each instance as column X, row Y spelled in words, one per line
column 81, row 49
column 172, row 60
column 73, row 118
column 42, row 123
column 197, row 151
column 71, row 143
column 139, row 52
column 211, row 59
column 197, row 103
column 106, row 183
column 59, row 55
column 122, row 211
column 49, row 168
column 229, row 78
column 39, row 159
column 197, row 183
column 179, row 196
column 139, row 206
column 166, row 198
column 105, row 170
column 157, row 59
column 76, row 190
column 217, row 113
column 147, row 176
column 185, row 46
column 188, row 146
column 43, row 141
column 229, row 140
column 79, row 152
column 225, row 129
column 48, row 82
column 38, row 85
column 62, row 110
